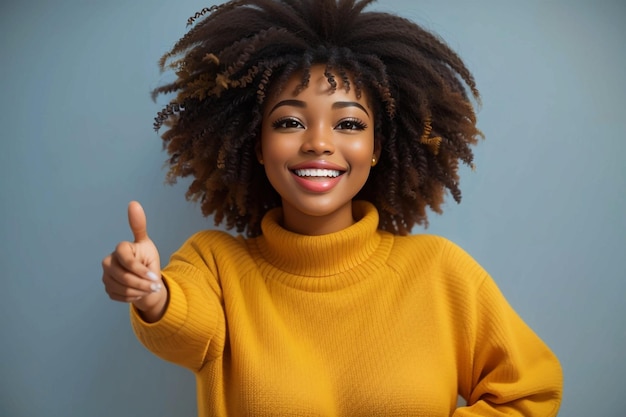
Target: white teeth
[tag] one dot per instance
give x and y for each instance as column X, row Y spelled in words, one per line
column 317, row 173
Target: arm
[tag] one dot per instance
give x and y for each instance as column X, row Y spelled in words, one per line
column 174, row 312
column 510, row 371
column 192, row 329
column 504, row 368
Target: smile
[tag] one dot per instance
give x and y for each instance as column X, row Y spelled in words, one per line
column 330, row 173
column 317, row 180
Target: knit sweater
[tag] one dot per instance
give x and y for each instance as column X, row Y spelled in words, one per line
column 354, row 323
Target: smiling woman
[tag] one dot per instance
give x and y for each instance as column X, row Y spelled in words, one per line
column 324, row 132
column 317, row 146
column 417, row 87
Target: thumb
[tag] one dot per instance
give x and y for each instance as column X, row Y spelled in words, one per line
column 137, row 221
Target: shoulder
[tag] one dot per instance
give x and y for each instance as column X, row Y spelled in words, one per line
column 435, row 256
column 212, row 246
column 213, row 238
column 425, row 246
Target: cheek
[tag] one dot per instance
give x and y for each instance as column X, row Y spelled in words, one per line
column 275, row 145
column 277, row 149
column 361, row 151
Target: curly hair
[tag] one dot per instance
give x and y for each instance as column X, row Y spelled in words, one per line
column 237, row 53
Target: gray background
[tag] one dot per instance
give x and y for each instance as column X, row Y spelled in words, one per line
column 544, row 212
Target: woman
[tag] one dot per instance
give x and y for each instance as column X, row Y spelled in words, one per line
column 324, row 132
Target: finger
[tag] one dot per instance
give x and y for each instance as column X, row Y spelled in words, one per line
column 124, row 257
column 122, row 277
column 128, row 288
column 121, row 293
column 137, row 221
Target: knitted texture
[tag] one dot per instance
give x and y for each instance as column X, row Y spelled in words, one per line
column 354, row 323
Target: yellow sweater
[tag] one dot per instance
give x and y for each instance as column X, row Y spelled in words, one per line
column 355, row 323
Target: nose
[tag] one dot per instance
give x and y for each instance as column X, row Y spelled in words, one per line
column 318, row 142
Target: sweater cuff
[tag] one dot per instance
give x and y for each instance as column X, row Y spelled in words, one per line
column 173, row 319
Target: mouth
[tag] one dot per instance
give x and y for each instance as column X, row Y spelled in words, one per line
column 313, row 173
column 317, row 179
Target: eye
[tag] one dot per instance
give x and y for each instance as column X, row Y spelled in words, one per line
column 351, row 124
column 287, row 123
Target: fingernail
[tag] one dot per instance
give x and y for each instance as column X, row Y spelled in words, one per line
column 155, row 287
column 152, row 276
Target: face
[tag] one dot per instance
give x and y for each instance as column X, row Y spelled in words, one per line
column 317, row 149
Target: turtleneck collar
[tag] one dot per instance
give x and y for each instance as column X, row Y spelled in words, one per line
column 329, row 255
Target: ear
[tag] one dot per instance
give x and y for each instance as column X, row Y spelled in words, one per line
column 376, row 153
column 378, row 147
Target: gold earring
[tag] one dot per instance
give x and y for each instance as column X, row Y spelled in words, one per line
column 261, row 161
column 374, row 161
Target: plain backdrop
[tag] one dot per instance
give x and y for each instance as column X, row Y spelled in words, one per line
column 543, row 213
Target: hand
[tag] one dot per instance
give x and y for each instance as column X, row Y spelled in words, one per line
column 132, row 273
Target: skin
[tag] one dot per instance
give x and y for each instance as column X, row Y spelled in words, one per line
column 315, row 129
column 132, row 273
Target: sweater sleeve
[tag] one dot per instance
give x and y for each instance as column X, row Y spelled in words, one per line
column 509, row 370
column 191, row 330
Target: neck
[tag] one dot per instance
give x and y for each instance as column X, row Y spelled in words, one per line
column 314, row 224
column 322, row 256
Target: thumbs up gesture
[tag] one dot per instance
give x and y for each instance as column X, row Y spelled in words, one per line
column 132, row 273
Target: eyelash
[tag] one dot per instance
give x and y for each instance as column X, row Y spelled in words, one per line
column 357, row 124
column 282, row 124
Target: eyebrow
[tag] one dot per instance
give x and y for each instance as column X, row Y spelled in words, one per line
column 302, row 104
column 343, row 104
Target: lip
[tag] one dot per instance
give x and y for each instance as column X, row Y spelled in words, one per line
column 318, row 164
column 317, row 184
